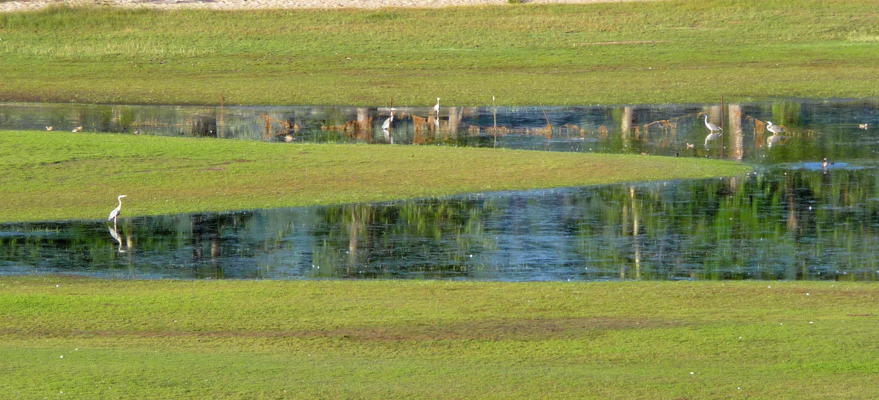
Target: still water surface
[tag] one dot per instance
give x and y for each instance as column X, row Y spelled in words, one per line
column 794, row 218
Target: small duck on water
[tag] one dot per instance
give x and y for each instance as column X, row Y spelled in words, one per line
column 825, row 163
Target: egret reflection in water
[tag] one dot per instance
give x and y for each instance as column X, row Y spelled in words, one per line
column 114, row 233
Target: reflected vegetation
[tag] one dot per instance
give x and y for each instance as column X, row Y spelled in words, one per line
column 812, row 130
column 798, row 223
column 797, row 218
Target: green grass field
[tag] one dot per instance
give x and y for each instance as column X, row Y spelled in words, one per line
column 83, row 338
column 630, row 52
column 68, row 337
column 57, row 175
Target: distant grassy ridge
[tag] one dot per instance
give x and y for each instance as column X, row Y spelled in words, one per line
column 629, row 52
column 94, row 338
column 62, row 175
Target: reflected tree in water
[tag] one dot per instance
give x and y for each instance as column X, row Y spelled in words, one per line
column 796, row 224
column 793, row 220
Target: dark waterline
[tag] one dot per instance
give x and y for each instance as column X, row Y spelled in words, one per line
column 795, row 219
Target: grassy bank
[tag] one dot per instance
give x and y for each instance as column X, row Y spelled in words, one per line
column 631, row 52
column 382, row 339
column 54, row 175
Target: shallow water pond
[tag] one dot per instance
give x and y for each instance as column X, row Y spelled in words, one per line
column 795, row 218
column 800, row 224
column 812, row 129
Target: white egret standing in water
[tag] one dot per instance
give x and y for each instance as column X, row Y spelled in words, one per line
column 436, row 123
column 116, row 211
column 711, row 136
column 713, row 128
column 775, row 129
column 386, row 126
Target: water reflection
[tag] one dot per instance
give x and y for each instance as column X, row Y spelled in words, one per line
column 799, row 222
column 799, row 218
column 812, row 129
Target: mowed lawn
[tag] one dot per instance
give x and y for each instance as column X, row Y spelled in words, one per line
column 66, row 337
column 676, row 51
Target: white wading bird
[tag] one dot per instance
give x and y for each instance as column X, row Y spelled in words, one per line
column 116, row 211
column 390, row 121
column 713, row 128
column 387, row 125
column 775, row 129
column 711, row 136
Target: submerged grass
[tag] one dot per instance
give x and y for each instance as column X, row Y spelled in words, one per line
column 626, row 52
column 54, row 175
column 407, row 339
